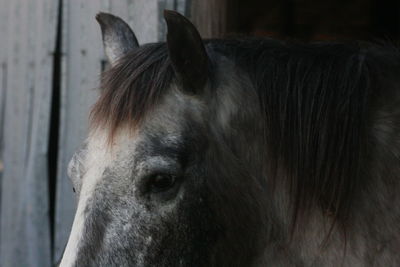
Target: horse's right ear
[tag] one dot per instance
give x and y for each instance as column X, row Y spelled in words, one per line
column 118, row 38
column 187, row 52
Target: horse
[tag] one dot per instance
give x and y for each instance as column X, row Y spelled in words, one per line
column 239, row 152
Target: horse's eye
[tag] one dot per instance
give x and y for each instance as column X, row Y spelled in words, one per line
column 162, row 182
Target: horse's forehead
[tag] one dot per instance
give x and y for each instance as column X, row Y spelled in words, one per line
column 99, row 148
column 163, row 126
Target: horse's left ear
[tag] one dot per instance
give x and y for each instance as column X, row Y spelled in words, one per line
column 187, row 52
column 118, row 38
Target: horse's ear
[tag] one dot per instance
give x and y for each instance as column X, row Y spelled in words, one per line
column 118, row 38
column 187, row 52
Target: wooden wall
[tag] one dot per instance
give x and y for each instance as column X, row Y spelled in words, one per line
column 27, row 47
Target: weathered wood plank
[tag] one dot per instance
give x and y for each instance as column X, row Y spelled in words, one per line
column 3, row 72
column 24, row 206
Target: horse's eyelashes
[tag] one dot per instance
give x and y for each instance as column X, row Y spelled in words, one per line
column 161, row 182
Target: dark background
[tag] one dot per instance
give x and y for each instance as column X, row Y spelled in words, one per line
column 303, row 19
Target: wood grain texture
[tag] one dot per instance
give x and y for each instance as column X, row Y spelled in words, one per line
column 30, row 34
column 3, row 81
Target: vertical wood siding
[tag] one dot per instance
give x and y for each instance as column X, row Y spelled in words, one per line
column 27, row 44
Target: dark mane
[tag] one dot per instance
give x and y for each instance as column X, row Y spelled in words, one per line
column 132, row 88
column 314, row 98
column 315, row 101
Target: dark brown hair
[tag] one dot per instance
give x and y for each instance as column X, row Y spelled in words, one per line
column 132, row 87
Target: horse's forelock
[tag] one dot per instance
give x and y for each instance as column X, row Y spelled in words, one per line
column 132, row 88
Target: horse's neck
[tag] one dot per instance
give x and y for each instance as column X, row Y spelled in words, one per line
column 373, row 239
column 373, row 227
column 372, row 231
